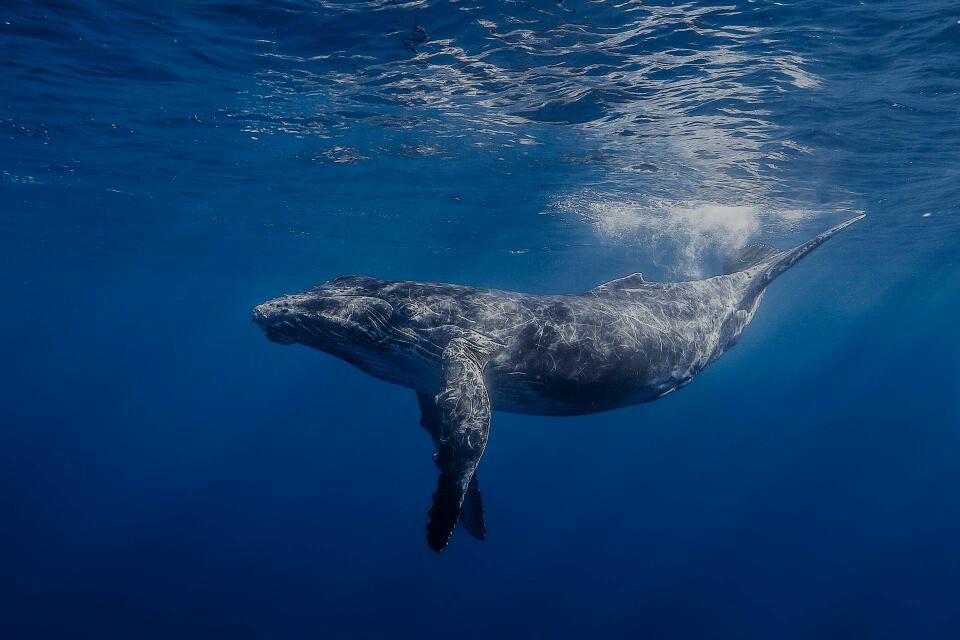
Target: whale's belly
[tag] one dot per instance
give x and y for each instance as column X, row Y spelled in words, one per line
column 532, row 398
column 555, row 393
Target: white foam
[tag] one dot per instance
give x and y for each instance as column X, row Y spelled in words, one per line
column 683, row 237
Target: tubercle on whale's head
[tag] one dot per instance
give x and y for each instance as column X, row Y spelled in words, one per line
column 333, row 317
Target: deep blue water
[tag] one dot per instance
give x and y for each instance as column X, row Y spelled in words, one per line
column 165, row 471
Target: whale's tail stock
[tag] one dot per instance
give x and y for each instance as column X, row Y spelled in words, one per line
column 770, row 262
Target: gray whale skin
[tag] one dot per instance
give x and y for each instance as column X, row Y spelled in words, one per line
column 467, row 351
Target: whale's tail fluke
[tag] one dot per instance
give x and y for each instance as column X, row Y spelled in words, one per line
column 749, row 256
column 773, row 266
column 770, row 263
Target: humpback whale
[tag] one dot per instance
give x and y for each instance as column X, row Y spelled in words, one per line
column 467, row 351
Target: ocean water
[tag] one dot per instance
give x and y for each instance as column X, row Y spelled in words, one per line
column 166, row 472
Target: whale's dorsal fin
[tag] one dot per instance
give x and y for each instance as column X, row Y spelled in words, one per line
column 632, row 281
column 471, row 512
column 464, row 407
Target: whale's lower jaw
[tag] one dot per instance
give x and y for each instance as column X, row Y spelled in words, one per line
column 420, row 376
column 279, row 336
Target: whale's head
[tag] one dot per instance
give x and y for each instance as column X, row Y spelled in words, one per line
column 335, row 314
column 343, row 317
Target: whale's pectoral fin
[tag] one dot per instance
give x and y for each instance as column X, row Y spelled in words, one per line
column 471, row 511
column 429, row 416
column 464, row 409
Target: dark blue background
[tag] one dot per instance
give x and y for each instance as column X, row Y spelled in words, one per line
column 165, row 471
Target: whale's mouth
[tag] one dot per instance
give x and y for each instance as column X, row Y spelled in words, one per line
column 277, row 324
